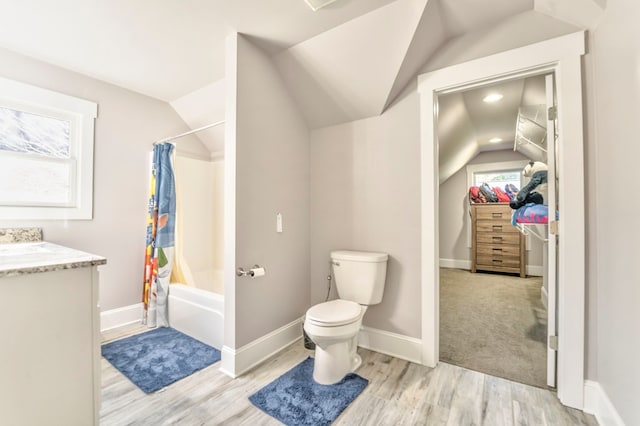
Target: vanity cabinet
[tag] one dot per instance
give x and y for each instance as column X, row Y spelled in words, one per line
column 496, row 245
column 50, row 351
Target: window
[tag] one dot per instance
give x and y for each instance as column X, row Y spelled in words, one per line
column 46, row 153
column 499, row 178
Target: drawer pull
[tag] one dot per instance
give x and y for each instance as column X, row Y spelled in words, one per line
column 497, row 215
column 496, row 227
column 497, row 260
column 497, row 238
column 497, row 249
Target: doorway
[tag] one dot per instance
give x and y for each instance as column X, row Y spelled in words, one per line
column 561, row 56
column 493, row 316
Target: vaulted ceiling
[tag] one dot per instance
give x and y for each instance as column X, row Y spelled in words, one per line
column 346, row 61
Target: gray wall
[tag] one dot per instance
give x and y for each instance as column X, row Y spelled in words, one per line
column 271, row 176
column 127, row 124
column 453, row 208
column 613, row 111
column 365, row 195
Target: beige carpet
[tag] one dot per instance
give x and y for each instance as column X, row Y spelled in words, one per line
column 495, row 324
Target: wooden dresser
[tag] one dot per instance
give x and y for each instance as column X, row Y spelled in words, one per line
column 496, row 245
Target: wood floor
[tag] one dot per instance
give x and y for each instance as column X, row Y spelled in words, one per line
column 399, row 393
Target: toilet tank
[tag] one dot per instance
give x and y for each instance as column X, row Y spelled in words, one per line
column 360, row 275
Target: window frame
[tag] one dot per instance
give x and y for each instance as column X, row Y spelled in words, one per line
column 81, row 114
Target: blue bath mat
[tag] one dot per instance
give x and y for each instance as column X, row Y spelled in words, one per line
column 157, row 358
column 295, row 399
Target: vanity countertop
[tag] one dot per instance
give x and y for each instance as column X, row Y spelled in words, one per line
column 34, row 257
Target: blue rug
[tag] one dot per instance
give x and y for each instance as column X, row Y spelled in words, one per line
column 157, row 358
column 295, row 399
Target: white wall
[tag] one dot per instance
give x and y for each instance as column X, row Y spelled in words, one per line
column 365, row 196
column 454, row 211
column 613, row 110
column 218, row 214
column 127, row 124
column 271, row 172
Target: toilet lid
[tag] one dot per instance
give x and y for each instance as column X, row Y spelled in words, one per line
column 335, row 312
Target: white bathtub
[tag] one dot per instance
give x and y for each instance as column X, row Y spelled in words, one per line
column 197, row 313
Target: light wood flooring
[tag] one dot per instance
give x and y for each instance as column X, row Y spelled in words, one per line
column 399, row 393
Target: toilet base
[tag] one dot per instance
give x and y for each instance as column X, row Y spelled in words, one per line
column 335, row 361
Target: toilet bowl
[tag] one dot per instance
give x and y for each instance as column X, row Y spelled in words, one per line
column 333, row 326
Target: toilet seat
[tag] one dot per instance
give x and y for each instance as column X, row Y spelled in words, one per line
column 334, row 313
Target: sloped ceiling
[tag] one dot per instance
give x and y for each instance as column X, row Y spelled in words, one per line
column 466, row 122
column 202, row 107
column 345, row 62
column 520, row 30
column 378, row 54
column 581, row 13
column 164, row 49
column 347, row 72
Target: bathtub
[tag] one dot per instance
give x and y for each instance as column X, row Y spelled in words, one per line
column 197, row 313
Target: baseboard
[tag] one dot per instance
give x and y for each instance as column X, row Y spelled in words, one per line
column 119, row 317
column 544, row 297
column 393, row 344
column 533, row 270
column 597, row 402
column 455, row 263
column 236, row 362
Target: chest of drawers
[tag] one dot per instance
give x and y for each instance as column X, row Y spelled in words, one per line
column 496, row 245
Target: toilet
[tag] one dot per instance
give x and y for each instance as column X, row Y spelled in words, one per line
column 333, row 326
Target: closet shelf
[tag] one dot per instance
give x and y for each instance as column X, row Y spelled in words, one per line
column 531, row 229
column 531, row 127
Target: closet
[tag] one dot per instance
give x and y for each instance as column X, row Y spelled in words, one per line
column 506, row 283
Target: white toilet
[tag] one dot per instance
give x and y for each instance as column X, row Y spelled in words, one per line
column 333, row 326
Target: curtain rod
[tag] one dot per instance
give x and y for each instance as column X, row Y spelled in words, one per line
column 208, row 126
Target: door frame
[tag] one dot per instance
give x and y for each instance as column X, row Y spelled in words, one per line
column 562, row 56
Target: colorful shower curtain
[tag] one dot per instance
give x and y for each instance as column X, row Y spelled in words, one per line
column 160, row 237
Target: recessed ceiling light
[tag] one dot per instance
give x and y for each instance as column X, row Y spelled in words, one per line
column 317, row 4
column 493, row 97
column 495, row 140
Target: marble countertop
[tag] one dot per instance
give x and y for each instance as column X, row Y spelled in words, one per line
column 35, row 257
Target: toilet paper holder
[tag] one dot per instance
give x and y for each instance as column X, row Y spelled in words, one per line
column 255, row 270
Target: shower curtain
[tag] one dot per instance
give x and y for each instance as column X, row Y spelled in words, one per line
column 160, row 237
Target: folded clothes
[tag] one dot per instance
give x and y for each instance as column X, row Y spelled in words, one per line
column 531, row 213
column 511, row 190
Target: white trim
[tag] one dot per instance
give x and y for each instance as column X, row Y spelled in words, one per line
column 544, row 297
column 393, row 344
column 597, row 402
column 535, row 270
column 561, row 55
column 81, row 114
column 236, row 362
column 455, row 263
column 119, row 317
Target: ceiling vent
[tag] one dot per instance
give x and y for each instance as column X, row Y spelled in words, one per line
column 318, row 4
